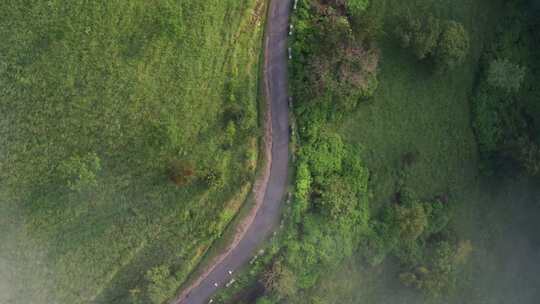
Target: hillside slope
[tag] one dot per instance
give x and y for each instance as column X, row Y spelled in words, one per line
column 128, row 129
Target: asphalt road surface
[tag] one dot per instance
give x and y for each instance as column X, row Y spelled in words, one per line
column 268, row 216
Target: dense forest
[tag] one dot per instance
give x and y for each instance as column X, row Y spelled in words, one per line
column 128, row 141
column 417, row 156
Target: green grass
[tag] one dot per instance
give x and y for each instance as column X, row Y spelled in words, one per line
column 418, row 111
column 136, row 85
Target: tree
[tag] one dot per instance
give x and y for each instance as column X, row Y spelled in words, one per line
column 505, row 75
column 332, row 33
column 355, row 7
column 280, row 280
column 438, row 276
column 338, row 199
column 447, row 42
column 420, row 33
column 453, row 46
column 411, row 220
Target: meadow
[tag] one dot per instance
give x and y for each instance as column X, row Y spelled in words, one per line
column 129, row 139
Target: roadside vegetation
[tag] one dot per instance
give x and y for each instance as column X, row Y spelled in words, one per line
column 417, row 156
column 128, row 141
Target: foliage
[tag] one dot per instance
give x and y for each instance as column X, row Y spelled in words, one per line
column 505, row 75
column 341, row 61
column 181, row 173
column 356, row 7
column 279, row 279
column 265, row 300
column 411, row 220
column 438, row 278
column 420, row 33
column 529, row 156
column 503, row 104
column 161, row 284
column 446, row 42
column 453, row 46
column 303, row 190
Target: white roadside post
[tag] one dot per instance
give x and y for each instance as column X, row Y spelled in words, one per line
column 253, row 259
column 290, row 54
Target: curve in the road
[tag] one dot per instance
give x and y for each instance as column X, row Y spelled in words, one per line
column 268, row 211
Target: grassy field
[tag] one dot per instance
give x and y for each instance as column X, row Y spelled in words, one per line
column 101, row 103
column 418, row 111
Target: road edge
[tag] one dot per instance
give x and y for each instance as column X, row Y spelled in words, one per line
column 261, row 183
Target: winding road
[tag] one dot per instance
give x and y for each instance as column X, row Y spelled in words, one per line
column 272, row 184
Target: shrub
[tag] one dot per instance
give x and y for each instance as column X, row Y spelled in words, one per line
column 161, row 284
column 355, row 7
column 419, row 33
column 338, row 199
column 325, row 155
column 505, row 75
column 453, row 46
column 181, row 173
column 529, row 156
column 411, row 220
column 279, row 280
column 447, row 42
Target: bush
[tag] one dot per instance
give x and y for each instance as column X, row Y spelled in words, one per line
column 161, row 284
column 338, row 199
column 181, row 173
column 303, row 188
column 489, row 108
column 325, row 155
column 420, row 34
column 355, row 7
column 279, row 280
column 453, row 46
column 529, row 156
column 505, row 75
column 335, row 64
column 447, row 42
column 411, row 221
